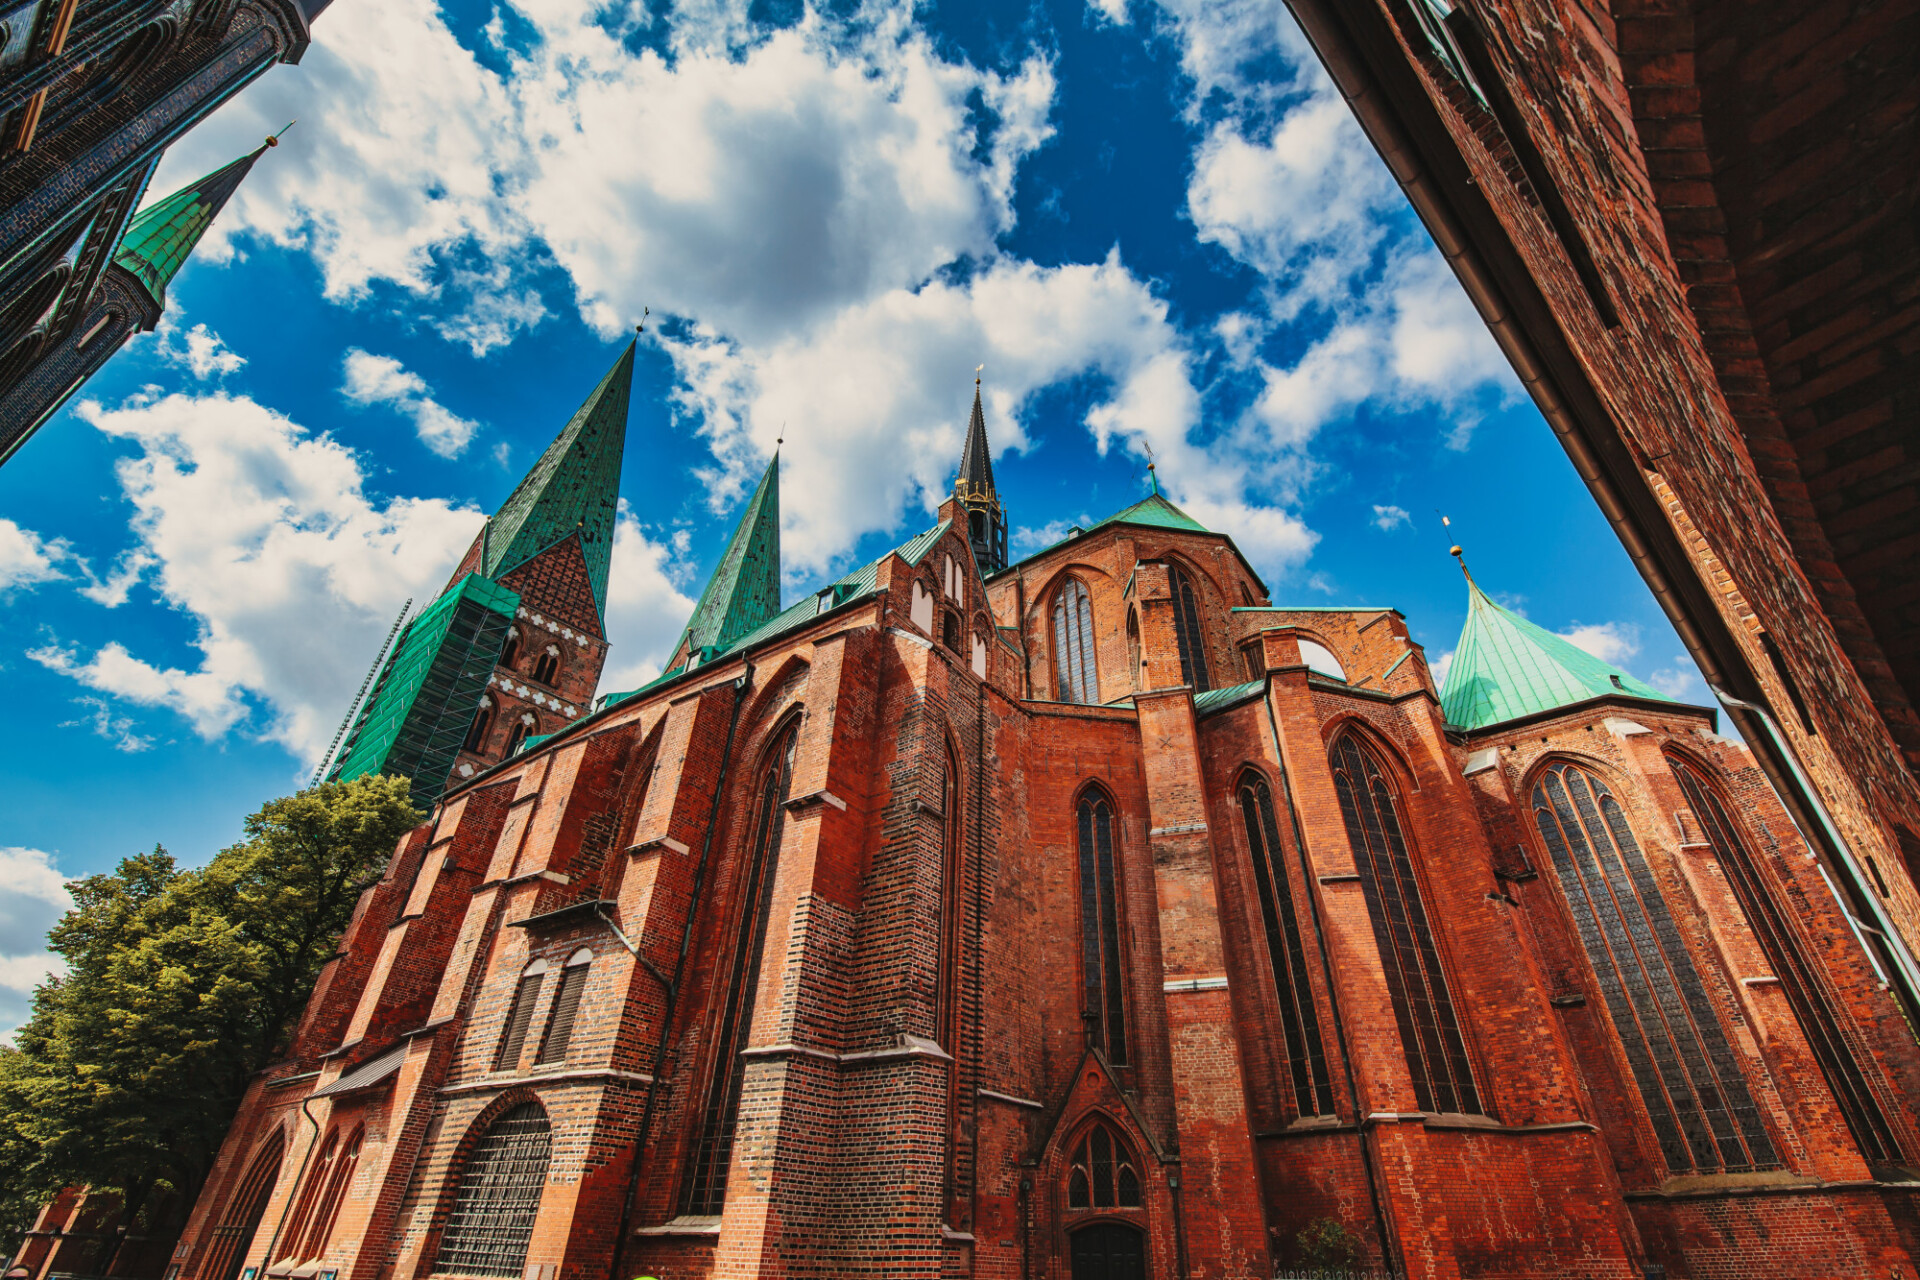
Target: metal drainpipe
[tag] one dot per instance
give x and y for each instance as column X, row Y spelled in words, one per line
column 740, row 687
column 1389, row 1247
column 273, row 1240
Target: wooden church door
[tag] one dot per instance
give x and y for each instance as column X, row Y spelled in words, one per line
column 1109, row 1251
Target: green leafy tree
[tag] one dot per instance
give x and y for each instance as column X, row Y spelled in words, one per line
column 180, row 985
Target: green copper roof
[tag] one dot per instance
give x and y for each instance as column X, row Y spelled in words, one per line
column 574, row 488
column 1155, row 510
column 744, row 592
column 1506, row 667
column 164, row 233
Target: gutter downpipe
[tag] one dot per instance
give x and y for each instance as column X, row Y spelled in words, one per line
column 1906, row 971
column 273, row 1241
column 1389, row 1245
column 740, row 686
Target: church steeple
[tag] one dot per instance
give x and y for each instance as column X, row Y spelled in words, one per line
column 744, row 592
column 1505, row 668
column 986, row 518
column 164, row 233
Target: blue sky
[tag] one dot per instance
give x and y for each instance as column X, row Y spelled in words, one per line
column 1156, row 225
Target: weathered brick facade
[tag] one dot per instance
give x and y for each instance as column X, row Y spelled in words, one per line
column 967, row 938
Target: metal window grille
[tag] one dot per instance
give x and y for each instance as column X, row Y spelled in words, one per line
column 1102, row 1174
column 1696, row 1098
column 227, row 1248
column 1105, row 1008
column 519, row 1018
column 499, row 1197
column 1299, row 1020
column 566, row 1004
column 1073, row 644
column 706, row 1187
column 1186, row 630
column 1423, row 1007
column 1834, row 1040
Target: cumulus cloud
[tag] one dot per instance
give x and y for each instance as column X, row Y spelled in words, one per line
column 1681, row 681
column 1439, row 667
column 1387, row 519
column 27, row 559
column 199, row 350
column 33, row 897
column 646, row 610
column 1613, row 643
column 372, row 379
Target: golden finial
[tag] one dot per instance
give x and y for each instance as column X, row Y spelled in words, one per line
column 976, row 373
column 273, row 139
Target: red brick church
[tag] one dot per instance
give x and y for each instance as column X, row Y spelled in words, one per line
column 1086, row 916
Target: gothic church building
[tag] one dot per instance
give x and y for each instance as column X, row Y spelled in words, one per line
column 1086, row 916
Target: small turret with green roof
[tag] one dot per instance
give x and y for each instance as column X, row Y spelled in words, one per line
column 1507, row 668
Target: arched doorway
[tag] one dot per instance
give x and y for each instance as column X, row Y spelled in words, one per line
column 1109, row 1251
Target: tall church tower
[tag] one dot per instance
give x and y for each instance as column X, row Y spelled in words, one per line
column 38, row 377
column 986, row 518
column 744, row 592
column 512, row 650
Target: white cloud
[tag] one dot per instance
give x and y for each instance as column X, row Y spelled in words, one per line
column 1439, row 667
column 1681, row 681
column 1114, row 11
column 33, row 897
column 1024, row 538
column 117, row 729
column 1611, row 642
column 27, row 559
column 201, row 351
column 646, row 611
column 372, row 379
column 264, row 535
column 112, row 591
column 1388, row 518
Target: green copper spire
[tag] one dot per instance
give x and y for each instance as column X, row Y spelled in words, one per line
column 744, row 592
column 574, row 488
column 1154, row 509
column 164, row 233
column 1506, row 667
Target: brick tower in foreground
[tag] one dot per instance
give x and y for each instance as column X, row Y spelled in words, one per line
column 1093, row 918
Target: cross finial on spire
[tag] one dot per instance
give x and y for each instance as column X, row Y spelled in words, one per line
column 642, row 326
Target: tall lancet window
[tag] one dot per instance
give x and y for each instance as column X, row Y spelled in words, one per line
column 706, row 1188
column 1299, row 1021
column 1696, row 1098
column 1832, row 1037
column 1186, row 630
column 1429, row 1031
column 1073, row 644
column 1105, row 1005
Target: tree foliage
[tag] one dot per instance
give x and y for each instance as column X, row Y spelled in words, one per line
column 180, row 985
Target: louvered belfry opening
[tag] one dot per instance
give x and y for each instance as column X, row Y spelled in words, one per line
column 1186, row 630
column 513, row 1036
column 1073, row 644
column 1834, row 1039
column 494, row 1210
column 1429, row 1030
column 1702, row 1114
column 1105, row 995
column 706, row 1185
column 237, row 1225
column 1299, row 1019
column 566, row 1006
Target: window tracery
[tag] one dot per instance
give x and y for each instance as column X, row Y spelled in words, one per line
column 1073, row 649
column 1104, row 988
column 1102, row 1173
column 1299, row 1019
column 498, row 1200
column 1186, row 629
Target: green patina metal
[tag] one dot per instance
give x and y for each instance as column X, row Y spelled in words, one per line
column 1505, row 668
column 744, row 593
column 573, row 488
column 426, row 697
column 1155, row 511
column 1205, row 704
column 164, row 233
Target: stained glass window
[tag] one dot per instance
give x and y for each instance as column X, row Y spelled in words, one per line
column 1696, row 1098
column 1073, row 644
column 499, row 1197
column 1416, row 981
column 1832, row 1037
column 1299, row 1020
column 706, row 1186
column 1186, row 630
column 1105, row 1000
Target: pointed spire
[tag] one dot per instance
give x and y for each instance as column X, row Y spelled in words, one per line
column 744, row 592
column 164, row 233
column 1505, row 668
column 976, row 461
column 573, row 488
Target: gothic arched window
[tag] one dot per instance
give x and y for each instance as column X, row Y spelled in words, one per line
column 499, row 1197
column 706, row 1187
column 513, row 1032
column 1299, row 1020
column 949, row 948
column 1186, row 629
column 518, row 734
column 510, row 656
column 1696, row 1098
column 482, row 723
column 328, row 1210
column 242, row 1217
column 1133, row 644
column 1802, row 982
column 302, row 1214
column 1073, row 662
column 1105, row 998
column 566, row 1006
column 1102, row 1173
column 1423, row 1007
column 547, row 665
